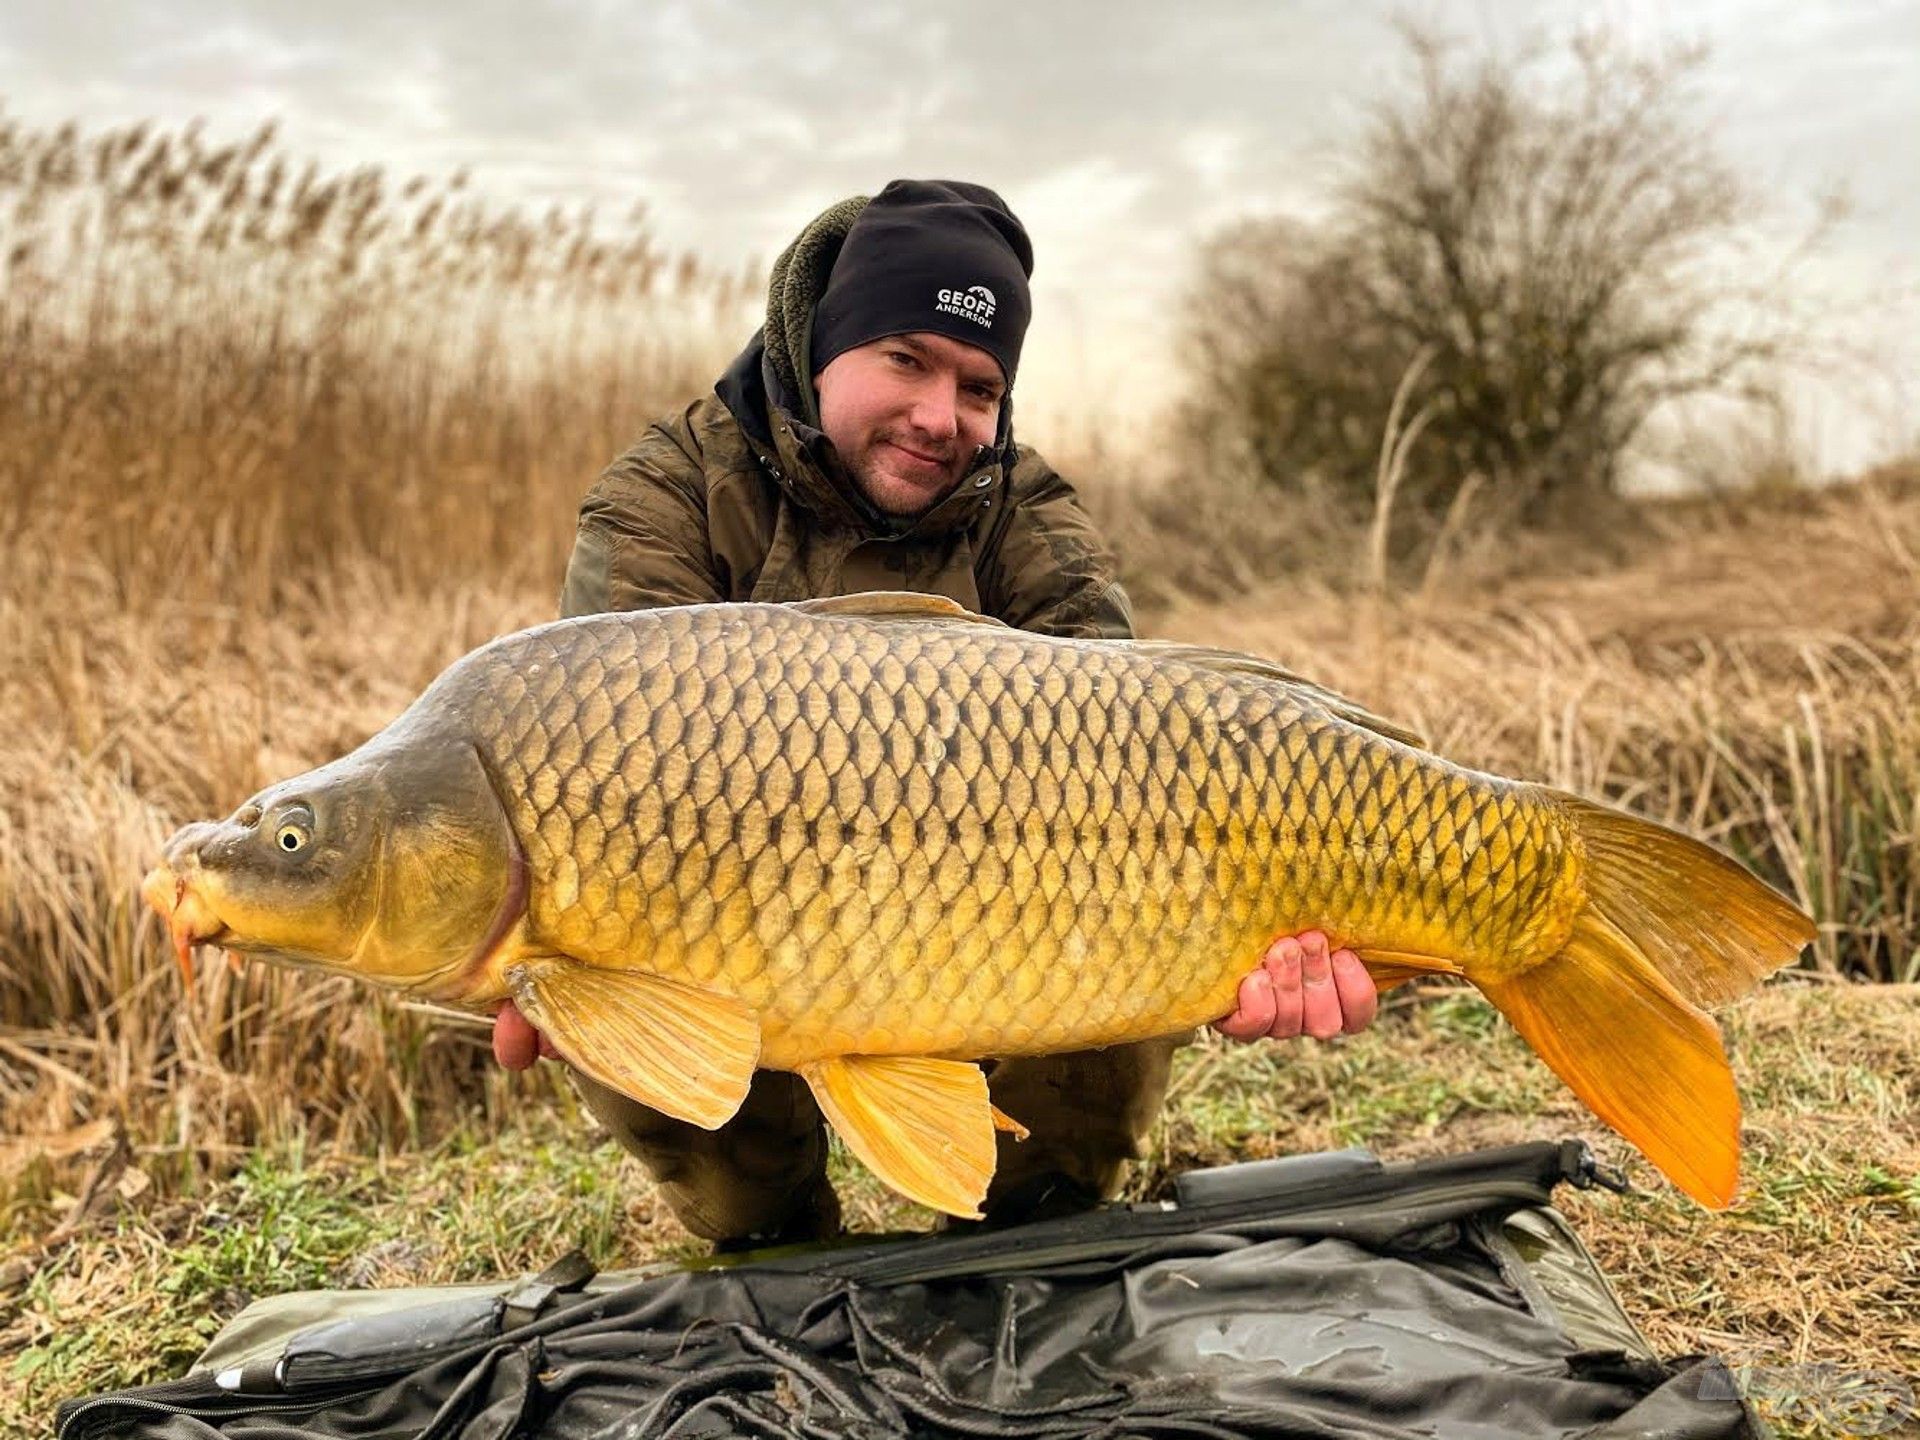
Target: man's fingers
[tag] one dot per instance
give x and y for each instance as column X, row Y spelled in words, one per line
column 1359, row 998
column 516, row 1044
column 1253, row 1013
column 1319, row 1002
column 1303, row 986
column 1282, row 966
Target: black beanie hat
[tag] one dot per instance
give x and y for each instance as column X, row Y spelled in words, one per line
column 938, row 255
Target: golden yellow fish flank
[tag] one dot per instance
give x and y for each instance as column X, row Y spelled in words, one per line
column 872, row 840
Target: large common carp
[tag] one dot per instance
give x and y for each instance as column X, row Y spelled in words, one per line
column 874, row 839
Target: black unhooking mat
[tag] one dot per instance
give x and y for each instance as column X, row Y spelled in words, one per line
column 1321, row 1296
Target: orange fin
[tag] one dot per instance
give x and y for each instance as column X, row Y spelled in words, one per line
column 686, row 1052
column 1234, row 662
column 923, row 1126
column 1705, row 922
column 1390, row 968
column 894, row 605
column 1642, row 1058
column 1670, row 926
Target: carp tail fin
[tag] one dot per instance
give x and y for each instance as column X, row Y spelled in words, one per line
column 1631, row 1047
column 1669, row 926
column 1705, row 922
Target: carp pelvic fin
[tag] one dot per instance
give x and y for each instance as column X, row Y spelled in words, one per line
column 895, row 605
column 685, row 1052
column 923, row 1126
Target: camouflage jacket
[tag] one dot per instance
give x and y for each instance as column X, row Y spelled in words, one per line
column 738, row 498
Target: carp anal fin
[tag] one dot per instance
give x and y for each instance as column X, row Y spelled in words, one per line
column 1392, row 968
column 894, row 605
column 1236, row 662
column 923, row 1126
column 683, row 1051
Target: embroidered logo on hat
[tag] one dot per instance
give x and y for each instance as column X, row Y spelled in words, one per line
column 976, row 303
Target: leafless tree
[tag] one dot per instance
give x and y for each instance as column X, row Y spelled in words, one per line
column 1553, row 236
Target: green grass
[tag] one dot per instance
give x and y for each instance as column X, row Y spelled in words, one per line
column 136, row 1297
column 1817, row 1264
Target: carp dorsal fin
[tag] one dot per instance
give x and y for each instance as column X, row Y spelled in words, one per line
column 1235, row 662
column 894, row 605
column 906, row 605
column 923, row 1126
column 683, row 1051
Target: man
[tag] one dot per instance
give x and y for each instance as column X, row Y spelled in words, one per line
column 864, row 441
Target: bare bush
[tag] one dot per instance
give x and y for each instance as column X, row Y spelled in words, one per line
column 1553, row 238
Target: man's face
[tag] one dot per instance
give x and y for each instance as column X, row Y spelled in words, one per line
column 906, row 414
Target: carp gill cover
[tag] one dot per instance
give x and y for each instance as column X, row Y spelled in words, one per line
column 875, row 839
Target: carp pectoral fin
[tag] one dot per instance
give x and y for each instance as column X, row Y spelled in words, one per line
column 923, row 1126
column 894, row 605
column 1642, row 1058
column 685, row 1052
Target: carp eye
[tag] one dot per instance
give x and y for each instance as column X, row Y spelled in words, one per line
column 294, row 834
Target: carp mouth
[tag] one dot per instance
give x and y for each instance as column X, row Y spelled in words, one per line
column 190, row 920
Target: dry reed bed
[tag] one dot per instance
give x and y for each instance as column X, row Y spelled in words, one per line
column 160, row 715
column 222, row 373
column 276, row 447
column 1795, row 748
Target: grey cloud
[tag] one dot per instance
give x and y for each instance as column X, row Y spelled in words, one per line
column 1121, row 131
column 744, row 104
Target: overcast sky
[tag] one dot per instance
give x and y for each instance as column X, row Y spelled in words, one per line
column 1119, row 133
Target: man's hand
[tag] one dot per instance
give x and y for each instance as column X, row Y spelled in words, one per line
column 1302, row 989
column 516, row 1044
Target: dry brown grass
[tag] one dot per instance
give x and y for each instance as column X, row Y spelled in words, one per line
column 274, row 449
column 223, row 375
column 275, row 446
column 1749, row 671
column 1816, row 1265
